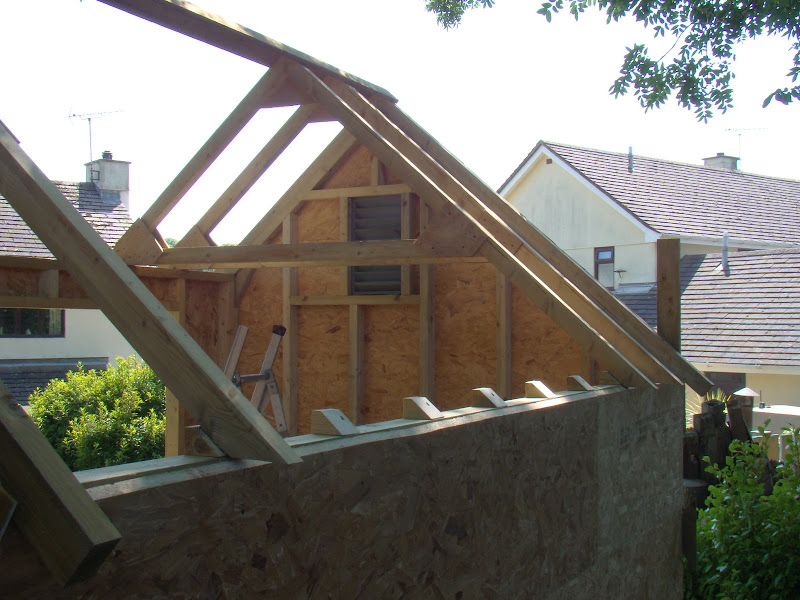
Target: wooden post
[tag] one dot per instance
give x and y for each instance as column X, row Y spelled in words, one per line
column 289, row 390
column 427, row 333
column 405, row 234
column 344, row 236
column 356, row 370
column 668, row 264
column 503, row 336
column 176, row 415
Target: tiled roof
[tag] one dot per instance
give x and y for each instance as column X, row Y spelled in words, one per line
column 23, row 376
column 750, row 316
column 693, row 200
column 104, row 212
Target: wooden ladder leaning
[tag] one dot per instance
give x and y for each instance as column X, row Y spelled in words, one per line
column 266, row 385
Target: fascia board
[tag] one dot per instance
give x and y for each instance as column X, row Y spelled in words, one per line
column 747, row 368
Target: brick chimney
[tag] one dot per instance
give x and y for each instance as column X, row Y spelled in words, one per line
column 110, row 177
column 722, row 161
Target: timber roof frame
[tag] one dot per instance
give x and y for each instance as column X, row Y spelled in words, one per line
column 469, row 222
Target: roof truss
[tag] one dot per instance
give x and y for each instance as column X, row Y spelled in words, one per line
column 470, row 220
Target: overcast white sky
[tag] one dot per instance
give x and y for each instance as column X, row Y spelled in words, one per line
column 488, row 91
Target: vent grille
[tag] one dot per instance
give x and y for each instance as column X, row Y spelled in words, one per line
column 375, row 218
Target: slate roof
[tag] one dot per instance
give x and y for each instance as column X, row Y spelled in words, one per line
column 23, row 376
column 690, row 200
column 749, row 317
column 104, row 212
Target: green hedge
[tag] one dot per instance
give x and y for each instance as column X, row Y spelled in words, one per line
column 100, row 418
column 748, row 541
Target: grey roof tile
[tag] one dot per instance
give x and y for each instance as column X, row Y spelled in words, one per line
column 692, row 200
column 751, row 316
column 105, row 213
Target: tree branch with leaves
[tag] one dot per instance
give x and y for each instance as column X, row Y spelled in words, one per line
column 698, row 67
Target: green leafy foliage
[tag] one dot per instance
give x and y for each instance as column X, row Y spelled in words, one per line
column 100, row 418
column 697, row 70
column 748, row 538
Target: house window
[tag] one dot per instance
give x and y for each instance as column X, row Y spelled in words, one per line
column 604, row 266
column 375, row 218
column 31, row 322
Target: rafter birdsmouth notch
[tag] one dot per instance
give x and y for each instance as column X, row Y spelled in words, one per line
column 419, row 408
column 537, row 389
column 487, row 397
column 331, row 421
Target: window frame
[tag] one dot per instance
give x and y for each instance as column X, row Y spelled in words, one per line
column 604, row 261
column 40, row 312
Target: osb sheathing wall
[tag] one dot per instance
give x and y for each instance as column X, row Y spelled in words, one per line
column 566, row 499
column 465, row 324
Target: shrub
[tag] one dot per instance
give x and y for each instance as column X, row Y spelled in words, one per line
column 100, row 418
column 748, row 542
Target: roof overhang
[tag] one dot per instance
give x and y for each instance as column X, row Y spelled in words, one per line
column 542, row 150
column 748, row 368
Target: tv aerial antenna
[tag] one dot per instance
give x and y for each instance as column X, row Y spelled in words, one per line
column 88, row 118
column 739, row 132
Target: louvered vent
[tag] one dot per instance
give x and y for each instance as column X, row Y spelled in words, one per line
column 375, row 218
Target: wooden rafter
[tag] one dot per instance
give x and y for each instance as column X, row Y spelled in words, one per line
column 392, row 152
column 213, row 147
column 342, row 145
column 215, row 30
column 69, row 531
column 309, row 254
column 226, row 415
column 257, row 167
column 559, row 260
column 500, row 231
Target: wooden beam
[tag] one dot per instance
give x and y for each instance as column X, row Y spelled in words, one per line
column 356, row 363
column 161, row 273
column 342, row 145
column 9, row 261
column 504, row 328
column 175, row 414
column 308, row 254
column 405, row 233
column 559, row 260
column 367, row 300
column 213, row 147
column 38, row 302
column 668, row 290
column 406, row 159
column 257, row 167
column 289, row 392
column 177, row 359
column 205, row 26
column 427, row 319
column 344, row 236
column 357, row 192
column 68, row 530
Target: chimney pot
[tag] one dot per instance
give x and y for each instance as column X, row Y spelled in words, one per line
column 107, row 155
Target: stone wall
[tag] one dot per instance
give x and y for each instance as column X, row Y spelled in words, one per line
column 577, row 497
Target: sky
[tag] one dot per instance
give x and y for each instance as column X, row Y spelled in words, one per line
column 488, row 91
